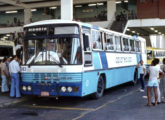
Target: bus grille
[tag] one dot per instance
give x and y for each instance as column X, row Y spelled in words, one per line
column 51, row 77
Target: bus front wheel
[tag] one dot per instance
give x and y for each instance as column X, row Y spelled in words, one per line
column 100, row 88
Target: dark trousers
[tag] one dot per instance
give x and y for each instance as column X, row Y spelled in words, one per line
column 142, row 81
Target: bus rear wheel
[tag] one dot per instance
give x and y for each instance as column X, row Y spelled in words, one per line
column 100, row 88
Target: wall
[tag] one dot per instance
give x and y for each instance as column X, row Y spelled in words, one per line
column 151, row 9
column 161, row 9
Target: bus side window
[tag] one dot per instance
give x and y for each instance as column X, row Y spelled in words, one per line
column 125, row 44
column 109, row 43
column 118, row 43
column 87, row 47
column 97, row 41
column 87, row 53
column 132, row 45
column 86, row 42
column 138, row 46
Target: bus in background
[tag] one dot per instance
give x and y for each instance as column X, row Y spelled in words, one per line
column 154, row 53
column 70, row 58
column 7, row 48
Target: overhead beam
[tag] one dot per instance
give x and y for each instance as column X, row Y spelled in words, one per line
column 46, row 4
column 15, row 3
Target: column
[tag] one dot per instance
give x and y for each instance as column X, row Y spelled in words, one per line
column 111, row 10
column 27, row 16
column 67, row 9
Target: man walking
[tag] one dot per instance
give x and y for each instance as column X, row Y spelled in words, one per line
column 14, row 69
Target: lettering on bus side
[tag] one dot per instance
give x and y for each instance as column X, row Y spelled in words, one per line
column 123, row 60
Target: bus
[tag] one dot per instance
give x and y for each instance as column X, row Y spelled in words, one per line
column 7, row 48
column 71, row 58
column 155, row 53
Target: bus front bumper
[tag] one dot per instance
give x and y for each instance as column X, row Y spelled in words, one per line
column 51, row 89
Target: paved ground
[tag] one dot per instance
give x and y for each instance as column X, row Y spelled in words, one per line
column 120, row 103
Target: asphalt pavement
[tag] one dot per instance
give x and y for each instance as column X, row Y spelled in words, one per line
column 124, row 102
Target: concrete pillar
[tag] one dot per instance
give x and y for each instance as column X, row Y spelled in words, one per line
column 157, row 41
column 67, row 9
column 111, row 10
column 27, row 16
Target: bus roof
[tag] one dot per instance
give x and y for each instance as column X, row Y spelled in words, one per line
column 6, row 43
column 54, row 21
column 59, row 21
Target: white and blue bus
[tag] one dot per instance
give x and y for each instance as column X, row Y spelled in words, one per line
column 67, row 58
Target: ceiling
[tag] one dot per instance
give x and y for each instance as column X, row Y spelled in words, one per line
column 21, row 4
column 146, row 31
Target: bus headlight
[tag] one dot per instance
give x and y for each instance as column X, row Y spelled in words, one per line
column 29, row 88
column 63, row 89
column 24, row 88
column 69, row 89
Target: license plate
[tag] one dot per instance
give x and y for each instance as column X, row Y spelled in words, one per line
column 44, row 93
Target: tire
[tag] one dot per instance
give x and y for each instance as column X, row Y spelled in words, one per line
column 100, row 88
column 135, row 77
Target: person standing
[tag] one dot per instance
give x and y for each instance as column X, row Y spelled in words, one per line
column 14, row 70
column 163, row 81
column 154, row 71
column 142, row 73
column 4, row 75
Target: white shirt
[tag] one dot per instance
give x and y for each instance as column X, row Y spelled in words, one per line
column 14, row 67
column 154, row 72
column 141, row 68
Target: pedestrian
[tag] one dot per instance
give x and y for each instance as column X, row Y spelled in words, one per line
column 14, row 69
column 163, row 81
column 154, row 71
column 158, row 88
column 4, row 75
column 8, row 62
column 141, row 67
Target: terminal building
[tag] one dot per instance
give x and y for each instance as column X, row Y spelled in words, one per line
column 144, row 18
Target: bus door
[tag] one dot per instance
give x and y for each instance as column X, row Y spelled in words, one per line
column 87, row 47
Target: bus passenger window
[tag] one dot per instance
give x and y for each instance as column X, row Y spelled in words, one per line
column 109, row 44
column 125, row 44
column 96, row 37
column 86, row 42
column 118, row 43
column 138, row 46
column 132, row 45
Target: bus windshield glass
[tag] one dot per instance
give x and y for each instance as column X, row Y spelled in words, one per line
column 64, row 50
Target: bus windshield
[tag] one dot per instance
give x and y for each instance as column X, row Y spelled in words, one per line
column 61, row 50
column 149, row 54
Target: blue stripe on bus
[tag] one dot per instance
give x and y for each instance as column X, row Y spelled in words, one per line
column 96, row 60
column 95, row 27
column 86, row 25
column 103, row 59
column 138, row 58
